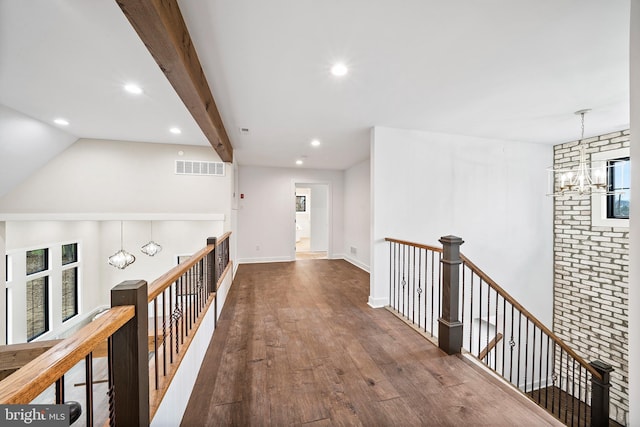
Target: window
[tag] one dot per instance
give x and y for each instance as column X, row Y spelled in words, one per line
column 619, row 179
column 37, row 293
column 612, row 210
column 37, row 261
column 69, row 253
column 69, row 281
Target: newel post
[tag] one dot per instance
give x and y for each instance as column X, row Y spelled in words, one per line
column 211, row 256
column 449, row 326
column 600, row 394
column 130, row 357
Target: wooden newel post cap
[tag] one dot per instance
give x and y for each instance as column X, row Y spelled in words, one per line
column 451, row 240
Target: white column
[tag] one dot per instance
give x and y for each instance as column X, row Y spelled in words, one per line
column 634, row 229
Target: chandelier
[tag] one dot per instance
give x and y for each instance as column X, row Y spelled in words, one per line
column 121, row 259
column 585, row 179
column 152, row 247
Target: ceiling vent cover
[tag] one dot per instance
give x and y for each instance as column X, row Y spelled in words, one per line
column 195, row 167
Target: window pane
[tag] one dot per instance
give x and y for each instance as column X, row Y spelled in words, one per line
column 619, row 183
column 37, row 260
column 69, row 293
column 37, row 307
column 69, row 253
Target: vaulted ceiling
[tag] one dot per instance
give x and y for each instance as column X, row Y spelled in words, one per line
column 505, row 69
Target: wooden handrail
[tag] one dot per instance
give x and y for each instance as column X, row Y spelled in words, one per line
column 33, row 378
column 492, row 344
column 15, row 356
column 163, row 282
column 222, row 238
column 414, row 244
column 504, row 294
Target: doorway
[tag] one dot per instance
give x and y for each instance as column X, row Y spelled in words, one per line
column 312, row 221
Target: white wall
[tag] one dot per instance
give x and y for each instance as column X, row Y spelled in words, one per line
column 23, row 236
column 266, row 214
column 27, row 144
column 491, row 193
column 96, row 176
column 634, row 228
column 3, row 338
column 357, row 214
column 319, row 218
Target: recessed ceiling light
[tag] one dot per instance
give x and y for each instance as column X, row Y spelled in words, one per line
column 299, row 162
column 315, row 143
column 175, row 131
column 339, row 69
column 61, row 122
column 133, row 88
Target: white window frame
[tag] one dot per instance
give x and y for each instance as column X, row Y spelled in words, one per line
column 599, row 201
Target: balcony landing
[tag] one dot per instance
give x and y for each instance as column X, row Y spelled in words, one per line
column 296, row 344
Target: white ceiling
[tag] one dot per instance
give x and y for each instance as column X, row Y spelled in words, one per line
column 504, row 69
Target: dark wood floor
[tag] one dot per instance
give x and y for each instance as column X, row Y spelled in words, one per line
column 296, row 344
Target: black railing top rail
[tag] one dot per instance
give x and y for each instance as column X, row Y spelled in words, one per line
column 511, row 300
column 414, row 244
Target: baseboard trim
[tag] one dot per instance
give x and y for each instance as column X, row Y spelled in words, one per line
column 263, row 260
column 357, row 263
column 378, row 302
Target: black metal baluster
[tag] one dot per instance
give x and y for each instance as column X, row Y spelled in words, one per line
column 164, row 331
column 110, row 391
column 540, row 370
column 419, row 283
column 554, row 378
column 488, row 322
column 566, row 392
column 471, row 311
column 88, row 374
column 155, row 341
column 439, row 285
column 495, row 347
column 533, row 359
column 579, row 391
column 512, row 344
column 526, row 355
column 172, row 289
column 479, row 318
column 504, row 331
column 573, row 390
column 463, row 295
column 433, row 294
column 519, row 352
column 59, row 390
column 546, row 380
column 390, row 272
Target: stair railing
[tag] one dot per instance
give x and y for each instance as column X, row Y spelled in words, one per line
column 474, row 314
column 144, row 337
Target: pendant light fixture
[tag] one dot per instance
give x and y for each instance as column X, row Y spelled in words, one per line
column 585, row 179
column 121, row 259
column 152, row 247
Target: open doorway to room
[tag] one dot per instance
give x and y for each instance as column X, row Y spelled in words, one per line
column 312, row 221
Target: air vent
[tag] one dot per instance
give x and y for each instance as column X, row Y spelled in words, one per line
column 195, row 167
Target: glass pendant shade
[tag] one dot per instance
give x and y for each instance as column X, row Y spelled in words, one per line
column 151, row 248
column 121, row 259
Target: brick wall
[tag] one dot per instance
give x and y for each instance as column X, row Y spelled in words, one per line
column 591, row 268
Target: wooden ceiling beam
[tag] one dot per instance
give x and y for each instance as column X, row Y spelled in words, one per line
column 160, row 25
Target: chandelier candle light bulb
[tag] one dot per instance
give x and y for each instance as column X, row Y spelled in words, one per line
column 586, row 179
